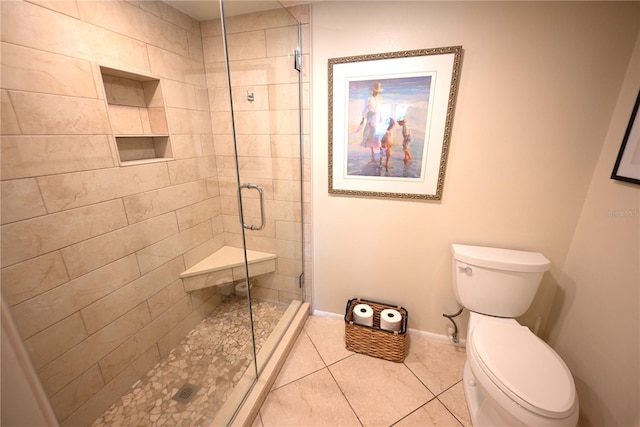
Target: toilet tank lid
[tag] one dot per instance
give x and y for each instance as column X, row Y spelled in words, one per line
column 501, row 259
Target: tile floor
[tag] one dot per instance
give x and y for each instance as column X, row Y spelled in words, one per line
column 323, row 384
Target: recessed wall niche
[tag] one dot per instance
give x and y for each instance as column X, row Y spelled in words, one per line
column 137, row 115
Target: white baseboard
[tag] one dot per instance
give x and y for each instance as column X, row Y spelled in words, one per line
column 428, row 335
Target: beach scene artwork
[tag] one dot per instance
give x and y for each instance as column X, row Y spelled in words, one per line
column 399, row 101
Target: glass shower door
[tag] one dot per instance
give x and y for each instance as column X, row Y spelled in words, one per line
column 261, row 180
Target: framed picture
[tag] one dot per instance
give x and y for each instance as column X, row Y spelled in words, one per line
column 390, row 120
column 627, row 167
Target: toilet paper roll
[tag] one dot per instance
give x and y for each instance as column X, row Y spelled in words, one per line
column 390, row 320
column 363, row 315
column 241, row 289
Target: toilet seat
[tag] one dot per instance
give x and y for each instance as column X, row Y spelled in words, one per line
column 524, row 367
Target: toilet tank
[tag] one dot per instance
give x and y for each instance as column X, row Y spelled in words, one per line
column 494, row 281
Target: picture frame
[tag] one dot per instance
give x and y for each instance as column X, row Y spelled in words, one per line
column 390, row 122
column 627, row 166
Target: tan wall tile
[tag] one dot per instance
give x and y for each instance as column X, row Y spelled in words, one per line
column 51, row 114
column 122, row 91
column 285, row 122
column 281, row 70
column 33, row 277
column 26, row 156
column 289, row 267
column 77, row 392
column 189, row 121
column 21, row 200
column 286, row 169
column 93, row 253
column 287, row 189
column 213, row 49
column 30, row 238
column 179, row 95
column 125, row 18
column 284, row 97
column 56, row 339
column 166, row 299
column 255, row 167
column 173, row 66
column 259, row 20
column 284, row 210
column 37, row 71
column 9, row 120
column 291, row 231
column 147, row 205
column 102, row 312
column 262, row 244
column 33, row 26
column 221, row 122
column 98, row 403
column 217, row 75
column 284, row 249
column 206, row 141
column 173, row 338
column 171, row 14
column 157, row 121
column 186, row 146
column 159, row 253
column 63, row 6
column 219, row 99
column 181, row 171
column 281, row 41
column 253, row 122
column 196, row 51
column 118, row 360
column 197, row 213
column 254, row 145
column 44, row 310
column 73, row 363
column 211, row 28
column 202, row 251
column 126, row 120
column 229, row 205
column 83, row 188
column 255, row 269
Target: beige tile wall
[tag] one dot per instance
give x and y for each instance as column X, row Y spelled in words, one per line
column 91, row 251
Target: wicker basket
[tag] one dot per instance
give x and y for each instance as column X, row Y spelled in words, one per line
column 371, row 340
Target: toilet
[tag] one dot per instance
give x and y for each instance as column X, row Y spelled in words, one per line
column 511, row 377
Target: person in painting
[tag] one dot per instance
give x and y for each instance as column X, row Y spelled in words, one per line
column 370, row 119
column 407, row 138
column 386, row 143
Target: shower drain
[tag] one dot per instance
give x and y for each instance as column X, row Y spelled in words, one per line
column 186, row 393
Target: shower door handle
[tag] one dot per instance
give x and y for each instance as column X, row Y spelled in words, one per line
column 261, row 192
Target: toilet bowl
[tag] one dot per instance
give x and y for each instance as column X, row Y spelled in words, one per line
column 513, row 378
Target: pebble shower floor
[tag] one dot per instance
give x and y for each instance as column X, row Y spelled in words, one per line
column 213, row 356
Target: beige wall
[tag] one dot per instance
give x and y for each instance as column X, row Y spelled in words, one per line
column 596, row 323
column 92, row 251
column 539, row 84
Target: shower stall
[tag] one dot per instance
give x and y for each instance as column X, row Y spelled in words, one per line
column 154, row 184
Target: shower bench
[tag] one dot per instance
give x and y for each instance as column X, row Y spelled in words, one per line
column 226, row 265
